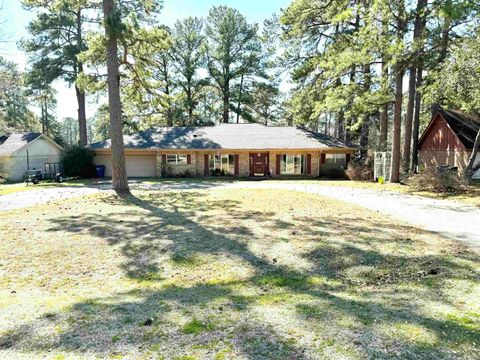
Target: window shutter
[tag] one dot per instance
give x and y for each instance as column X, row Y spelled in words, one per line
column 164, row 159
column 309, row 164
column 279, row 159
column 236, row 165
column 206, row 164
column 189, row 159
column 347, row 158
column 323, row 158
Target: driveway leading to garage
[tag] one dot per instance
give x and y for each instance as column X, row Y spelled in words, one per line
column 450, row 219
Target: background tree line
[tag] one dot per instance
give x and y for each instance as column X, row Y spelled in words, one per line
column 351, row 59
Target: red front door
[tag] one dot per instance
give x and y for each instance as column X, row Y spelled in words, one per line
column 259, row 164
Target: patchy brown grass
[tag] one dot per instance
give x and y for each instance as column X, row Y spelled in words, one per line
column 231, row 273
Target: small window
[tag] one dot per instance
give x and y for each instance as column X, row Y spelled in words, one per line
column 293, row 164
column 335, row 159
column 176, row 159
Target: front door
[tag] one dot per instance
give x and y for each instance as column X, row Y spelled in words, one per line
column 259, row 164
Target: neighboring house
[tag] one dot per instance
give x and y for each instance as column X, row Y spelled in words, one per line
column 234, row 149
column 20, row 152
column 448, row 140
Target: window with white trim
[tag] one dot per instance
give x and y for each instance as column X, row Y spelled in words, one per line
column 176, row 159
column 336, row 159
column 293, row 164
column 222, row 162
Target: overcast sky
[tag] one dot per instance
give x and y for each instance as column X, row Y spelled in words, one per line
column 15, row 19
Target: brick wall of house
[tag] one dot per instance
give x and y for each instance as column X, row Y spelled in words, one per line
column 177, row 169
column 197, row 165
column 243, row 162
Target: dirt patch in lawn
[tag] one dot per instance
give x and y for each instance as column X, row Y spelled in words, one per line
column 231, row 273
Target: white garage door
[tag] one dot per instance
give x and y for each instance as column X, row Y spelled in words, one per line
column 140, row 166
column 137, row 165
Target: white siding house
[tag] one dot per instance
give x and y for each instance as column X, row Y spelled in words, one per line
column 20, row 152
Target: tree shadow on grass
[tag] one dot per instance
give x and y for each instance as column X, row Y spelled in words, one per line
column 152, row 230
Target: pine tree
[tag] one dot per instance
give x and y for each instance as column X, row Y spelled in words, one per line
column 57, row 37
column 229, row 42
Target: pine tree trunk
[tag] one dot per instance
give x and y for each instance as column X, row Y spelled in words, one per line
column 226, row 102
column 42, row 117
column 119, row 174
column 416, row 118
column 239, row 98
column 383, row 128
column 399, row 71
column 409, row 118
column 384, row 109
column 397, row 123
column 190, row 104
column 82, row 115
column 412, row 86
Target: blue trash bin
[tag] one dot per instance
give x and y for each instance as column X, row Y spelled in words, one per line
column 100, row 169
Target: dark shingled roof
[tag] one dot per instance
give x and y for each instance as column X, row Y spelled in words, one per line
column 9, row 143
column 463, row 125
column 227, row 136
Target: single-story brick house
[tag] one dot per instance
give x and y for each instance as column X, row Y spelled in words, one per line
column 448, row 140
column 233, row 149
column 22, row 151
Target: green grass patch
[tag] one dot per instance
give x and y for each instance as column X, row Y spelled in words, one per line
column 196, row 327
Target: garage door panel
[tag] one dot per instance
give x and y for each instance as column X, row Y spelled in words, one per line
column 136, row 165
column 140, row 166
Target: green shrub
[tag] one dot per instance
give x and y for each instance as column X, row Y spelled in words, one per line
column 332, row 172
column 78, row 161
column 219, row 172
column 437, row 180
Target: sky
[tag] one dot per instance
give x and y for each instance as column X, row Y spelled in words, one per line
column 15, row 19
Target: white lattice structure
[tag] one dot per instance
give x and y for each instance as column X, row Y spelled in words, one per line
column 382, row 165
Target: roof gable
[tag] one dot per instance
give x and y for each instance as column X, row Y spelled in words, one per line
column 227, row 136
column 10, row 143
column 464, row 127
column 14, row 142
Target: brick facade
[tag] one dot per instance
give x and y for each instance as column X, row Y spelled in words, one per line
column 197, row 162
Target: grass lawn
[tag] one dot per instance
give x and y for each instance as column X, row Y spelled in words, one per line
column 230, row 273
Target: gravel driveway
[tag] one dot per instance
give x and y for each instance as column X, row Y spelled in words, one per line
column 450, row 219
